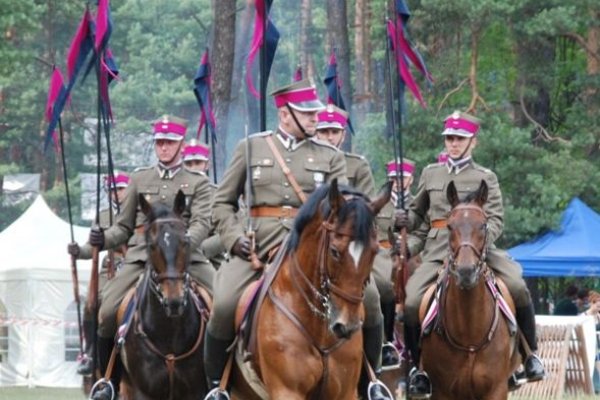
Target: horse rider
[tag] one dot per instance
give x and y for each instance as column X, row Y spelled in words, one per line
column 115, row 189
column 275, row 201
column 430, row 204
column 331, row 128
column 382, row 267
column 157, row 183
column 196, row 156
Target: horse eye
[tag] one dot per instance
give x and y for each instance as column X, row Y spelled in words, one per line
column 335, row 253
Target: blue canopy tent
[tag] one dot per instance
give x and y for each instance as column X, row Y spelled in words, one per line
column 573, row 250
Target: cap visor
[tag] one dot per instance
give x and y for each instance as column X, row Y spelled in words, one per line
column 308, row 106
column 168, row 136
column 457, row 132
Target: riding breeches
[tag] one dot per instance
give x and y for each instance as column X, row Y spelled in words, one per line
column 234, row 276
column 115, row 290
column 498, row 260
column 382, row 274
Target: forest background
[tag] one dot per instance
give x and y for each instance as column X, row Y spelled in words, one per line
column 528, row 68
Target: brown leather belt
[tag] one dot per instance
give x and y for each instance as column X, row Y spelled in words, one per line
column 439, row 223
column 385, row 244
column 273, row 212
column 139, row 229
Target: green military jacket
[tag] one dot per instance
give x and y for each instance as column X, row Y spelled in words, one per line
column 430, row 204
column 387, row 215
column 312, row 163
column 213, row 246
column 359, row 174
column 160, row 186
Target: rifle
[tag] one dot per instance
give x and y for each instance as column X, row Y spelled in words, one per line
column 250, row 233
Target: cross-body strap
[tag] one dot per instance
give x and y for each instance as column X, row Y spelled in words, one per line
column 286, row 170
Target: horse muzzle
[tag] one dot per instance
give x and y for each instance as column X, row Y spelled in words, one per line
column 467, row 277
column 174, row 307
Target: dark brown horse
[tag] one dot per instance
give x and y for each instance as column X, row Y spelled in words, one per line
column 309, row 339
column 472, row 350
column 162, row 352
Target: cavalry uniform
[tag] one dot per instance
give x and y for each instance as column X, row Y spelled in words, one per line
column 427, row 224
column 359, row 173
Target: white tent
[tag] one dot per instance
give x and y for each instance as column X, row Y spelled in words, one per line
column 37, row 311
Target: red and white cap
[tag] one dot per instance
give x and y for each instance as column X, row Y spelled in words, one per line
column 121, row 181
column 461, row 124
column 301, row 96
column 195, row 150
column 407, row 167
column 169, row 127
column 332, row 117
column 442, row 157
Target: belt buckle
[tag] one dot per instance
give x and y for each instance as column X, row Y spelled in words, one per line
column 286, row 211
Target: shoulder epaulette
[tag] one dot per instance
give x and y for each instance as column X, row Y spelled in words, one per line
column 260, row 134
column 323, row 144
column 193, row 171
column 481, row 168
column 434, row 165
column 139, row 169
column 353, row 155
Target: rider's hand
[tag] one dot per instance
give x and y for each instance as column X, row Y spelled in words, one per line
column 97, row 237
column 242, row 248
column 73, row 249
column 400, row 219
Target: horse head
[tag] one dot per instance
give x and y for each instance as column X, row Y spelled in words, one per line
column 167, row 245
column 467, row 226
column 346, row 248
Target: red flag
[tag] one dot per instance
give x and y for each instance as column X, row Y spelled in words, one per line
column 81, row 45
column 103, row 25
column 57, row 99
column 56, row 85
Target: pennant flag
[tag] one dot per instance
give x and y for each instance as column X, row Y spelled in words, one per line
column 402, row 10
column 81, row 46
column 334, row 85
column 57, row 98
column 103, row 25
column 202, row 92
column 298, row 74
column 271, row 36
column 108, row 72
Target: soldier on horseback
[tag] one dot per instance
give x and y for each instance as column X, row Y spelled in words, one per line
column 284, row 166
column 431, row 205
column 158, row 183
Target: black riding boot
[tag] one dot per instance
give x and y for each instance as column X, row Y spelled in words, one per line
column 215, row 358
column 105, row 392
column 534, row 369
column 419, row 385
column 85, row 366
column 390, row 357
column 372, row 342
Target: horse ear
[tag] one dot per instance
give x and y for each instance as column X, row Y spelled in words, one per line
column 482, row 193
column 383, row 198
column 452, row 194
column 179, row 205
column 145, row 206
column 336, row 200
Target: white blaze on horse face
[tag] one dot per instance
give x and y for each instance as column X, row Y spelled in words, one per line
column 166, row 238
column 356, row 249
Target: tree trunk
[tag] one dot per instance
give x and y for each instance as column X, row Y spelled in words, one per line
column 338, row 27
column 362, row 45
column 223, row 46
column 306, row 40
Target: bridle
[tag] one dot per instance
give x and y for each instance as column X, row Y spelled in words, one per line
column 156, row 278
column 481, row 253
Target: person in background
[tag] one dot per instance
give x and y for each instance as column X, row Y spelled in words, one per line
column 567, row 305
column 583, row 299
column 594, row 311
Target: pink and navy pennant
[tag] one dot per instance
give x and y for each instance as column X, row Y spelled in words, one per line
column 271, row 36
column 334, row 85
column 57, row 99
column 298, row 74
column 202, row 92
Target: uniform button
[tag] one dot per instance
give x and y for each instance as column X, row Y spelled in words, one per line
column 288, row 160
column 163, row 197
column 286, row 184
column 164, row 186
column 287, row 196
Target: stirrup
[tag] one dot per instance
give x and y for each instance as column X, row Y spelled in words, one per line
column 394, row 358
column 217, row 394
column 100, row 384
column 516, row 381
column 415, row 392
column 382, row 387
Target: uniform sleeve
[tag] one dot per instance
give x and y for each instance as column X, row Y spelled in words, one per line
column 494, row 208
column 124, row 226
column 338, row 169
column 213, row 246
column 364, row 179
column 225, row 204
column 199, row 224
column 418, row 221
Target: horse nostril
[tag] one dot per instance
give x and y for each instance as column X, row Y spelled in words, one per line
column 341, row 330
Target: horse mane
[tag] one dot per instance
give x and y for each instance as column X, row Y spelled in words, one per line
column 470, row 198
column 356, row 205
column 159, row 210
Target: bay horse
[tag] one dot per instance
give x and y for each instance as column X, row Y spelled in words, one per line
column 308, row 326
column 472, row 350
column 162, row 351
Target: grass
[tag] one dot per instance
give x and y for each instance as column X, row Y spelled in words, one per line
column 14, row 393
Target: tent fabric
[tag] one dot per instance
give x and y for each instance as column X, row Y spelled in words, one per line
column 573, row 250
column 36, row 294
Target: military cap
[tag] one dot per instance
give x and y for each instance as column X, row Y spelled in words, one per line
column 169, row 127
column 195, row 150
column 301, row 96
column 332, row 117
column 406, row 166
column 461, row 124
column 121, row 180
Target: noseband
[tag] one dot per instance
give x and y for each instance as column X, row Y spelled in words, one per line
column 156, row 279
column 481, row 253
